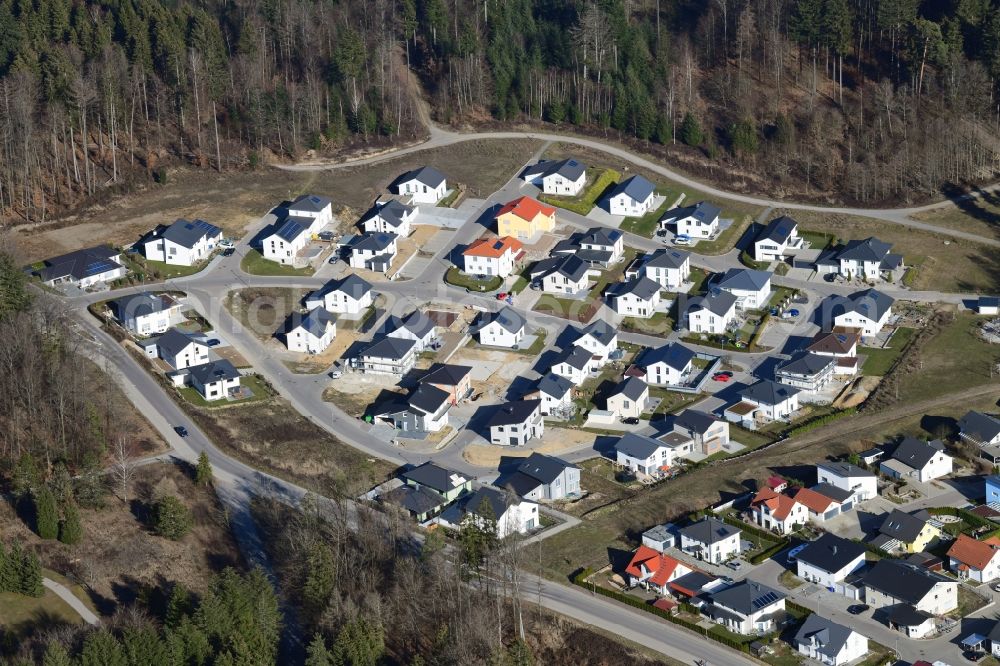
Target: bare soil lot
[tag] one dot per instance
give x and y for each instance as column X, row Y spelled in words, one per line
column 236, row 200
column 555, row 442
column 263, row 310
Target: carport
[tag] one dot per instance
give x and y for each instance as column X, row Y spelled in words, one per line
column 974, row 642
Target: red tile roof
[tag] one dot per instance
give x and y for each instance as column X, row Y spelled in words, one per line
column 526, row 208
column 662, row 566
column 780, row 505
column 494, row 247
column 972, row 552
column 816, row 502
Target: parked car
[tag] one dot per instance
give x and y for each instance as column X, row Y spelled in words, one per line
column 536, row 285
column 334, row 259
column 325, row 236
column 213, row 342
column 229, row 251
column 858, row 609
column 794, row 553
column 723, row 376
column 630, row 420
column 973, row 655
column 681, row 240
column 336, row 373
column 735, row 565
column 181, row 430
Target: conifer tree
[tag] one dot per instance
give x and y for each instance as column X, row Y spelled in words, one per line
column 56, row 655
column 171, row 519
column 318, row 654
column 30, row 575
column 70, row 530
column 101, row 648
column 46, row 514
column 203, row 471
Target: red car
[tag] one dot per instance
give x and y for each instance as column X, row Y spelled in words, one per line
column 502, row 296
column 722, row 376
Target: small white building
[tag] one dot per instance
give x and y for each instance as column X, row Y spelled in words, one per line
column 829, row 560
column 773, row 401
column 780, row 235
column 314, row 207
column 868, row 259
column 806, row 371
column 289, row 238
column 563, row 275
column 488, row 507
column 496, row 256
column 711, row 313
column 415, row 326
column 868, row 311
column 351, row 295
column 637, row 298
column 643, row 455
column 669, row 365
column 751, row 288
column 562, row 177
column 828, row 642
column 629, row 398
column 708, row 434
column 423, row 185
column 179, row 350
column 84, row 268
column 516, row 423
column 573, row 363
column 670, row 268
column 778, row 512
column 310, row 333
column 698, row 221
column 374, row 252
column 598, row 246
column 971, row 559
column 711, row 540
column 215, row 380
column 555, row 392
column 747, row 608
column 500, row 329
column 146, row 313
column 387, row 356
column 600, row 339
column 917, row 459
column 849, row 477
column 633, row 197
column 182, row 243
column 389, row 216
column 892, row 582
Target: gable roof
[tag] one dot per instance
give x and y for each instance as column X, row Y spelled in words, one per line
column 631, row 387
column 743, row 279
column 780, row 505
column 831, row 553
column 507, row 318
column 638, row 446
column 80, row 264
column 315, row 322
column 835, row 493
column 514, row 412
column 834, row 342
column 428, row 398
column 979, row 426
column 417, row 323
column 599, row 330
column 187, row 234
column 600, row 236
column 526, row 208
column 388, row 347
column 904, row 581
column 870, row 303
column 373, row 241
column 446, row 374
column 312, row 203
column 575, row 356
column 425, row 175
column 778, row 230
column 571, row 266
column 972, row 552
column 554, row 385
column 570, row 169
column 495, row 247
column 816, row 502
column 544, row 468
column 806, row 364
column 292, row 227
column 354, row 286
column 662, row 566
column 828, row 636
column 703, row 212
column 915, row 453
column 497, row 500
column 904, row 526
column 717, row 301
column 747, row 597
column 215, row 371
column 695, row 421
column 393, row 211
column 668, row 258
column 766, row 392
column 635, row 187
column 416, row 500
column 674, row 355
column 434, row 476
column 845, row 470
column 709, row 531
column 174, row 341
column 869, row 249
column 642, row 288
column 140, row 305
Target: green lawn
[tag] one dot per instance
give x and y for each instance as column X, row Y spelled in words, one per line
column 818, row 240
column 646, row 225
column 879, row 361
column 600, row 180
column 149, row 270
column 660, row 323
column 19, row 614
column 252, row 382
column 727, row 239
column 255, row 264
column 536, row 347
column 672, row 401
column 456, row 277
column 449, row 199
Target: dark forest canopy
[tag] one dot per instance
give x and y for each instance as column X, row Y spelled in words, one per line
column 868, row 100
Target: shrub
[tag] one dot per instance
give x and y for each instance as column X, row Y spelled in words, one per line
column 171, row 519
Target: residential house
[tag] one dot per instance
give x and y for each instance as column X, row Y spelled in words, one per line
column 214, row 380
column 975, row 560
column 841, row 345
column 980, row 429
column 912, row 623
column 654, row 570
column 524, row 218
column 669, row 365
column 310, row 333
column 994, row 638
column 424, row 410
column 908, row 532
column 773, row 401
column 497, row 256
column 563, row 177
column 643, row 455
column 868, row 311
column 670, row 268
column 312, row 206
column 708, row 433
column 659, row 538
column 456, row 380
column 633, row 197
column 420, row 502
column 778, row 512
column 822, row 505
column 748, row 608
column 84, row 268
column 829, row 560
column 698, row 221
column 636, row 298
column 416, row 326
column 389, row 216
column 868, row 259
column 180, row 350
column 780, row 235
column 806, row 371
column 711, row 540
column 291, row 235
column 182, row 243
column 988, row 305
column 449, row 484
column 145, row 313
column 423, row 185
column 516, row 423
column 628, row 399
column 600, row 339
column 892, row 582
column 828, row 642
column 374, row 252
column 917, row 459
column 542, row 477
column 751, row 288
column 351, row 295
column 504, row 328
column 573, row 363
column 992, row 490
column 563, row 275
column 387, row 356
column 556, row 394
column 862, row 483
column 598, row 246
column 712, row 313
column 490, row 508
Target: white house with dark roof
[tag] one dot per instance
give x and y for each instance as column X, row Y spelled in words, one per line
column 980, row 429
column 628, row 399
column 668, row 365
column 780, row 235
column 807, row 371
column 491, row 508
column 747, row 608
column 387, row 356
column 892, row 582
column 568, row 274
column 415, row 326
column 183, row 243
column 633, row 197
column 846, row 476
column 643, row 455
column 314, row 207
column 768, row 401
column 389, row 216
column 829, row 560
column 555, row 392
column 423, row 185
column 516, row 423
column 178, row 349
column 638, row 298
column 146, row 313
column 542, row 477
column 868, row 311
column 84, row 268
column 751, row 288
column 563, row 177
column 829, row 642
column 698, row 221
column 373, row 251
column 424, row 410
column 988, row 305
column 500, row 329
column 310, row 333
column 670, row 268
column 917, row 459
column 711, row 313
column 841, row 345
column 708, row 433
column 598, row 246
column 291, row 235
column 214, row 380
column 711, row 540
column 351, row 295
column 600, row 339
column 573, row 363
column 869, row 259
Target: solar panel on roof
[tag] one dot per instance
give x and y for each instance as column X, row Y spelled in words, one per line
column 765, row 599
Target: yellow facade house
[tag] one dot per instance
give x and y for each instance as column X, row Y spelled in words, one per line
column 525, row 217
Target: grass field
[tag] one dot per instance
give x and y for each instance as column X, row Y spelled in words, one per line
column 598, row 180
column 459, row 279
column 255, row 264
column 19, row 614
column 980, row 215
column 257, row 387
column 878, row 361
column 646, row 225
column 263, row 310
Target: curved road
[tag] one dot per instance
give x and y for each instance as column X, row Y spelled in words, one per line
column 66, row 595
